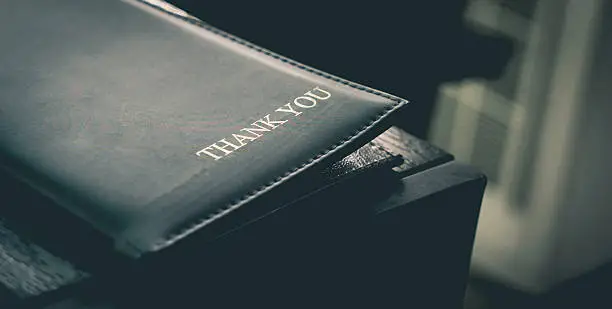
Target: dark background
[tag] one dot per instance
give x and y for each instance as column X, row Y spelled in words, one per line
column 407, row 48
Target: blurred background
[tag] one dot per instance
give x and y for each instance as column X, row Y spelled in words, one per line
column 541, row 132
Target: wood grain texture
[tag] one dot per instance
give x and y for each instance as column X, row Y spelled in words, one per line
column 418, row 155
column 27, row 269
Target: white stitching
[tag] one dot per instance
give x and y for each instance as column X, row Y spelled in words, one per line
column 173, row 237
column 198, row 223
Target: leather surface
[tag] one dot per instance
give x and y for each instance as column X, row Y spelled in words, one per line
column 105, row 103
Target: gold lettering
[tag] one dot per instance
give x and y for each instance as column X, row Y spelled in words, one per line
column 302, row 105
column 273, row 124
column 226, row 144
column 240, row 139
column 289, row 109
column 310, row 93
column 255, row 130
column 223, row 147
column 205, row 151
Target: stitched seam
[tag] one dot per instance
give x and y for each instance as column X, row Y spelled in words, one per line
column 198, row 223
column 201, row 222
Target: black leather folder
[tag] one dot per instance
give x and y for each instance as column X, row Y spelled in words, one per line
column 140, row 147
column 126, row 131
